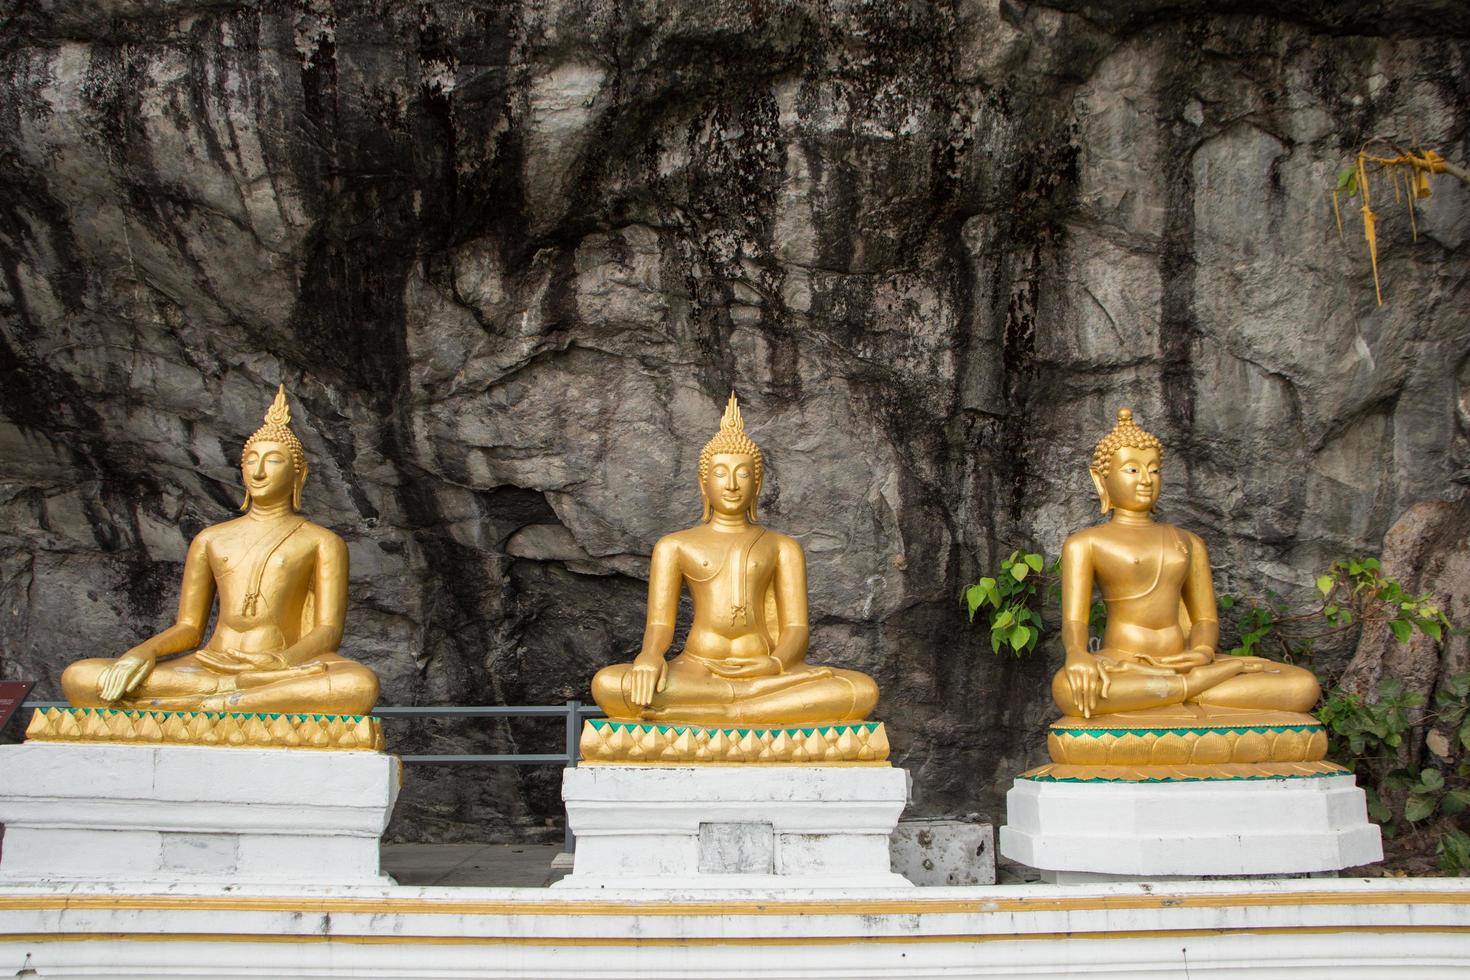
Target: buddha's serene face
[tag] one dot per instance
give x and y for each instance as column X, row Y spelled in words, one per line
column 1133, row 479
column 729, row 485
column 268, row 471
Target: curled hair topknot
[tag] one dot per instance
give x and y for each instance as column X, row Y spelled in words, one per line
column 1125, row 433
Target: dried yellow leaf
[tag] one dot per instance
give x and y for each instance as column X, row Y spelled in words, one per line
column 1413, row 222
column 1370, row 227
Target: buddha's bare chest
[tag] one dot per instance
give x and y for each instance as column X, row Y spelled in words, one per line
column 715, row 567
column 1129, row 564
column 243, row 563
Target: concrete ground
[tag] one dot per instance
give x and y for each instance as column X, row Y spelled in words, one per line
column 483, row 865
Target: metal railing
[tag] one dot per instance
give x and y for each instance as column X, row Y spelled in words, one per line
column 572, row 713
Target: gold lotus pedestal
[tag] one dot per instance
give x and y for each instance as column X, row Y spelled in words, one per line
column 1186, row 744
column 606, row 741
column 266, row 730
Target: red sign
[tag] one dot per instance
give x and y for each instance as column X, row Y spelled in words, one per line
column 12, row 693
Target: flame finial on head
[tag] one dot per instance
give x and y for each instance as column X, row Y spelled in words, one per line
column 732, row 421
column 1125, row 433
column 280, row 411
column 732, row 439
column 277, row 428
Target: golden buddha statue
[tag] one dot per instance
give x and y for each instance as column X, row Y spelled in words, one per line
column 745, row 658
column 282, row 584
column 1158, row 667
column 744, row 661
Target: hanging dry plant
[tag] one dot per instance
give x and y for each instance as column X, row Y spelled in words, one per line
column 1408, row 172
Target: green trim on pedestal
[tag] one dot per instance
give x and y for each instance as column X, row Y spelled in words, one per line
column 1219, row 729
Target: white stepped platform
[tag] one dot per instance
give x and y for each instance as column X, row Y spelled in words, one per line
column 1070, row 830
column 144, row 814
column 1338, row 929
column 733, row 826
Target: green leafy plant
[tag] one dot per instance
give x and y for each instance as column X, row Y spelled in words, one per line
column 1354, row 592
column 1453, row 852
column 1012, row 599
column 1257, row 619
column 1368, row 737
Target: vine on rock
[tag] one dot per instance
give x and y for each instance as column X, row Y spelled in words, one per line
column 1354, row 593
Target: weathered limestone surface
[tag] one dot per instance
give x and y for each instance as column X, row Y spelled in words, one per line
column 510, row 258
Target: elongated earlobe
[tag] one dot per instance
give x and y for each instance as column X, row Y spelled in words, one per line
column 1101, row 488
column 755, row 501
column 707, row 509
column 296, row 489
column 246, row 505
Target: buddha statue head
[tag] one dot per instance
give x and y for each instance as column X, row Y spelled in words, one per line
column 1126, row 466
column 273, row 462
column 731, row 468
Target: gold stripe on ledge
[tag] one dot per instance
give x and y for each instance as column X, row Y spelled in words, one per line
column 991, row 903
column 227, row 729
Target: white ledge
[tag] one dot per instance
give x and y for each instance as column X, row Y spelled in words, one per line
column 1342, row 928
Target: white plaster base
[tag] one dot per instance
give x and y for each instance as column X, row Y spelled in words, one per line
column 177, row 813
column 1325, row 930
column 1189, row 829
column 733, row 826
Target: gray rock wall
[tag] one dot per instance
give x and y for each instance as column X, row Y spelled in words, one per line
column 510, row 258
